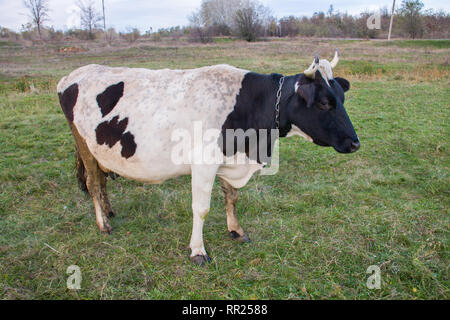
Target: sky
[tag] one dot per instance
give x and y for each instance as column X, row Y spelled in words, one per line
column 146, row 14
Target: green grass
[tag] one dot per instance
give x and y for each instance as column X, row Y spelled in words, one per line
column 315, row 227
column 221, row 40
column 365, row 67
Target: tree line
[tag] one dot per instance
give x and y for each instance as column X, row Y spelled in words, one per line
column 250, row 20
column 245, row 19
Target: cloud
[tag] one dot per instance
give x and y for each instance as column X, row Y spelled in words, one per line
column 12, row 14
column 284, row 8
column 73, row 16
column 144, row 14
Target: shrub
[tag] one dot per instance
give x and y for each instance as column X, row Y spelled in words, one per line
column 5, row 33
column 411, row 18
column 202, row 35
column 248, row 24
column 131, row 36
column 110, row 36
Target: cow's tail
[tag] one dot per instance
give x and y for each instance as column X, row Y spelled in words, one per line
column 81, row 173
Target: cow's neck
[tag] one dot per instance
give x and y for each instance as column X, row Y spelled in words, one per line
column 256, row 109
column 256, row 103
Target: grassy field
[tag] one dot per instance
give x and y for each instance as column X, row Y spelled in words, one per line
column 315, row 227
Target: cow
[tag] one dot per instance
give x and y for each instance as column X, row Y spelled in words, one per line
column 123, row 120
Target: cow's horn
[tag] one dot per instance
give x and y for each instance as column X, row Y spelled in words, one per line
column 335, row 60
column 311, row 71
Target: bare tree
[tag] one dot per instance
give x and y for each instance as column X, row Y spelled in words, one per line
column 89, row 16
column 38, row 12
column 248, row 23
column 110, row 36
column 246, row 18
column 252, row 20
column 219, row 12
column 289, row 26
column 412, row 19
column 131, row 35
column 223, row 12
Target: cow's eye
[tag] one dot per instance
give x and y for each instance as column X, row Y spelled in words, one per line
column 324, row 104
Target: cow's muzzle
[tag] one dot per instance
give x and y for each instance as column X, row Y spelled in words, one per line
column 349, row 147
column 355, row 145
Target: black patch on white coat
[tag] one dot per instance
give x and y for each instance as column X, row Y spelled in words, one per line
column 113, row 131
column 255, row 109
column 110, row 132
column 68, row 100
column 128, row 145
column 109, row 98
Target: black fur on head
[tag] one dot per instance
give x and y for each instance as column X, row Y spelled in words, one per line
column 318, row 110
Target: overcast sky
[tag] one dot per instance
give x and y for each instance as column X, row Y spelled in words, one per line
column 165, row 13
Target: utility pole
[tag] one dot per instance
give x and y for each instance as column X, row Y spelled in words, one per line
column 392, row 20
column 104, row 20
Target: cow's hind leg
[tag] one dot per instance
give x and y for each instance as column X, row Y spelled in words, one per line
column 106, row 205
column 231, row 196
column 95, row 181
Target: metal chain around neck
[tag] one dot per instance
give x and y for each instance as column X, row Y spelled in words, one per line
column 277, row 106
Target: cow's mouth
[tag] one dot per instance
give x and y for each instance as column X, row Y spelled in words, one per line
column 350, row 147
column 321, row 143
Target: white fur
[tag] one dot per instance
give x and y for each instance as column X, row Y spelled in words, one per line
column 156, row 102
column 325, row 70
column 295, row 131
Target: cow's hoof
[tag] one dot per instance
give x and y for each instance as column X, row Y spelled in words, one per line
column 200, row 260
column 111, row 214
column 106, row 229
column 113, row 175
column 236, row 236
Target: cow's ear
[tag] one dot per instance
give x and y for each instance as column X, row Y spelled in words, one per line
column 343, row 83
column 308, row 93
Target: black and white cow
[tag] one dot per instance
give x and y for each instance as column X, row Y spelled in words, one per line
column 123, row 119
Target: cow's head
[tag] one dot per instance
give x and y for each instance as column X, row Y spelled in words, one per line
column 318, row 112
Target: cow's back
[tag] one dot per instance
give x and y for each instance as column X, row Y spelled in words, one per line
column 127, row 115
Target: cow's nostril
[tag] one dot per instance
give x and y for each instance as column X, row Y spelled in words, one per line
column 355, row 146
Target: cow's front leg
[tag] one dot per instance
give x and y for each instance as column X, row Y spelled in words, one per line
column 231, row 196
column 202, row 184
